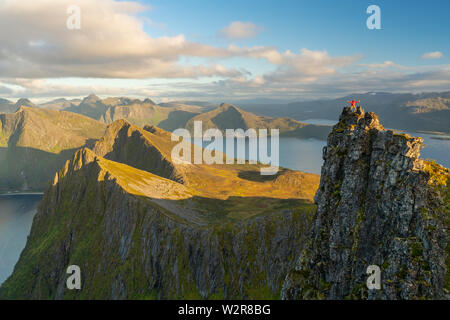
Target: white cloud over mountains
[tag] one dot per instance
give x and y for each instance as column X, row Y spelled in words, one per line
column 240, row 30
column 111, row 43
column 36, row 45
column 432, row 55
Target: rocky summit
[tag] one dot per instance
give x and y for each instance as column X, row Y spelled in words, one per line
column 378, row 204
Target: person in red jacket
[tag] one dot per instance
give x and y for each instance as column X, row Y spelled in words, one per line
column 353, row 103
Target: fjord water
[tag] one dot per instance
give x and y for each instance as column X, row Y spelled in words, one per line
column 297, row 154
column 306, row 154
column 16, row 216
column 435, row 148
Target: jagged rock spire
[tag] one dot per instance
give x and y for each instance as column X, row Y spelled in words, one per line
column 378, row 204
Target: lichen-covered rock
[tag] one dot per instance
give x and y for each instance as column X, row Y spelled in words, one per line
column 378, row 204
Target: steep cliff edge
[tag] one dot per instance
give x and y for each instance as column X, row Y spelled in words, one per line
column 378, row 204
column 137, row 235
column 126, row 143
column 150, row 149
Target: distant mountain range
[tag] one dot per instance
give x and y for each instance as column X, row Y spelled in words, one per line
column 173, row 115
column 228, row 116
column 60, row 104
column 7, row 106
column 136, row 111
column 35, row 142
column 414, row 112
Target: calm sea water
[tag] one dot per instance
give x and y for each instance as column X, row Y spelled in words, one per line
column 435, row 149
column 16, row 217
column 306, row 154
column 298, row 154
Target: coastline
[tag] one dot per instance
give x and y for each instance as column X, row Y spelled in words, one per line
column 21, row 193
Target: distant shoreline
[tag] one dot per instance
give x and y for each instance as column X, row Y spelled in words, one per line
column 21, row 193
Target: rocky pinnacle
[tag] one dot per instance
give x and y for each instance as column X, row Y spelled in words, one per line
column 378, row 204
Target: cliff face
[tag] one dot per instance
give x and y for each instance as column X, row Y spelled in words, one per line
column 128, row 247
column 378, row 204
column 127, row 143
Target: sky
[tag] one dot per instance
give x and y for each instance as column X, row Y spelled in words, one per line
column 221, row 50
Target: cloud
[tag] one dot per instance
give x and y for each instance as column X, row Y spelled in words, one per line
column 237, row 30
column 5, row 90
column 111, row 43
column 432, row 55
column 340, row 83
column 36, row 45
column 385, row 64
column 306, row 66
column 42, row 89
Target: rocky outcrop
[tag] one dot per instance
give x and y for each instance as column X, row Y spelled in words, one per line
column 378, row 204
column 142, row 149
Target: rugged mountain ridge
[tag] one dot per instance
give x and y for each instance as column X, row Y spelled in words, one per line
column 138, row 112
column 59, row 104
column 142, row 149
column 150, row 149
column 378, row 204
column 138, row 235
column 7, row 106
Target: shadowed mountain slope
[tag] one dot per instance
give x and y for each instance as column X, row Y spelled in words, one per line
column 35, row 142
column 130, row 144
column 7, row 106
